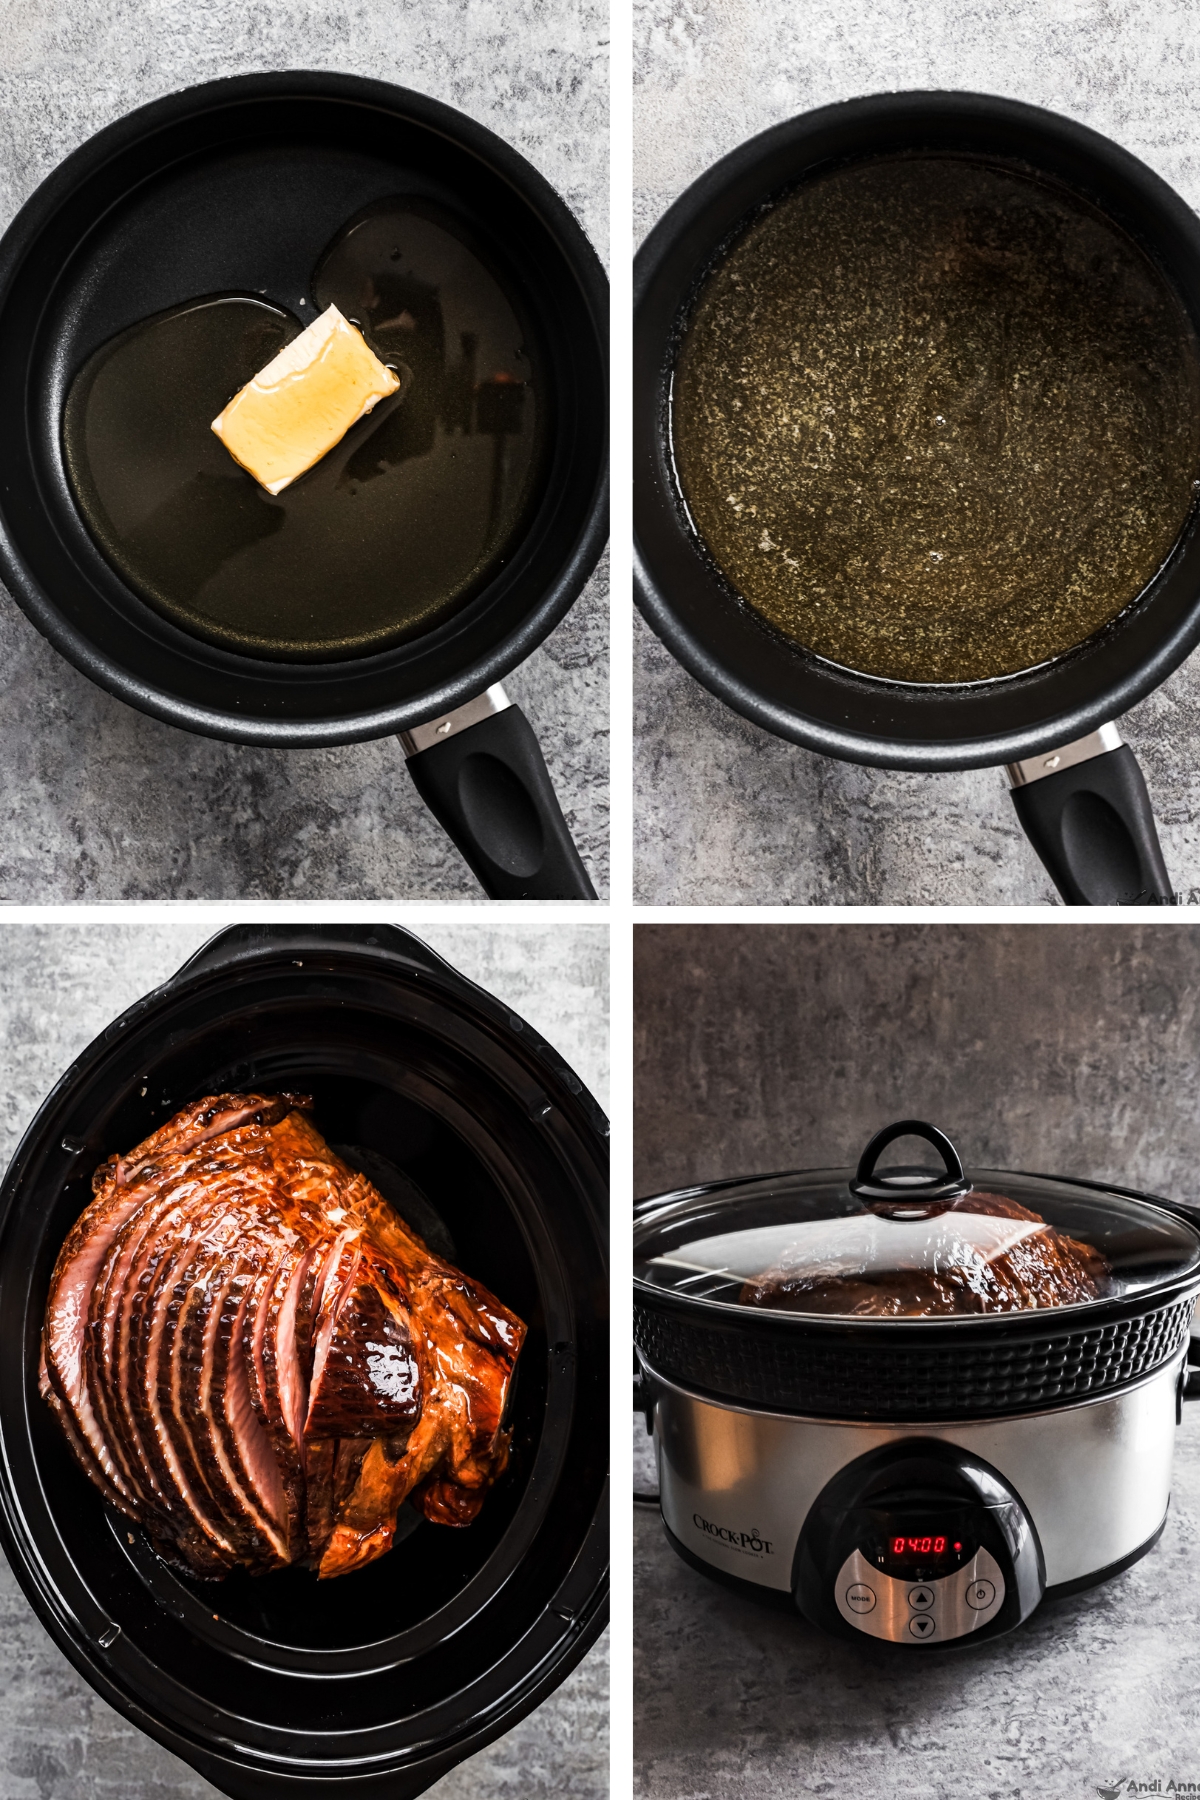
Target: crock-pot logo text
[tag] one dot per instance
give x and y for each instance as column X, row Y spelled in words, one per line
column 749, row 1542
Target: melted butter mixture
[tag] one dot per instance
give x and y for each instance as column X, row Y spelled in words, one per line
column 389, row 533
column 936, row 420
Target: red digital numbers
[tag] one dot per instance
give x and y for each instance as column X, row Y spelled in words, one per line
column 919, row 1546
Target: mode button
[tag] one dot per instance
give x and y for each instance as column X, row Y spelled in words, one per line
column 859, row 1598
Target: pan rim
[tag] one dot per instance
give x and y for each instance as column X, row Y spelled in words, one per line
column 657, row 288
column 502, row 650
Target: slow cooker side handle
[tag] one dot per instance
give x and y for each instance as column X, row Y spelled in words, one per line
column 645, row 1392
column 1189, row 1376
column 481, row 772
column 644, row 1397
column 245, row 943
column 1085, row 809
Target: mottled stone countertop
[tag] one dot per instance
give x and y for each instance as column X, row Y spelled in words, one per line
column 104, row 803
column 733, row 1701
column 726, row 813
column 60, row 985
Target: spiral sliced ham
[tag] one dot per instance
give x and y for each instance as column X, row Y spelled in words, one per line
column 253, row 1356
column 978, row 1253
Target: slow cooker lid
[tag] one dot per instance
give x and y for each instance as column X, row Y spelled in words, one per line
column 908, row 1240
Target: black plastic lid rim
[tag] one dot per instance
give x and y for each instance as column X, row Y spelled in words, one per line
column 482, row 670
column 1033, row 1321
column 998, row 1326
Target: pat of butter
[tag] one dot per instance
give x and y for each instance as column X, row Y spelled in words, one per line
column 304, row 401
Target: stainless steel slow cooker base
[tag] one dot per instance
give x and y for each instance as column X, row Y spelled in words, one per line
column 737, row 1486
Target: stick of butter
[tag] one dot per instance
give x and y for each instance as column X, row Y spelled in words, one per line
column 304, row 401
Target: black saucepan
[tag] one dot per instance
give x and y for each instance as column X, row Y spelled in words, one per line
column 379, row 1682
column 1077, row 789
column 239, row 185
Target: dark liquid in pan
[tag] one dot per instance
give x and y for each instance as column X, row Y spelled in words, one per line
column 390, row 532
column 937, row 420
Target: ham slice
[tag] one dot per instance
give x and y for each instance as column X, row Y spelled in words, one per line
column 365, row 1374
column 255, row 1357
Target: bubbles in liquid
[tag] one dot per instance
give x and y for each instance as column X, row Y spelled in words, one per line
column 934, row 347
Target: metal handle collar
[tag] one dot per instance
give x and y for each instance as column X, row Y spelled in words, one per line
column 424, row 737
column 1052, row 762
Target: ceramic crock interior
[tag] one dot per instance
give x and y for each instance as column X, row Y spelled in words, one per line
column 371, row 1089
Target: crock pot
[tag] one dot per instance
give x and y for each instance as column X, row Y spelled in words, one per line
column 1076, row 787
column 380, row 1681
column 922, row 1480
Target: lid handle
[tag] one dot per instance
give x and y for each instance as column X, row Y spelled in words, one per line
column 909, row 1183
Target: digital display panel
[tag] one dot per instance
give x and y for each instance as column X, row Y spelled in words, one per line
column 922, row 1551
column 923, row 1546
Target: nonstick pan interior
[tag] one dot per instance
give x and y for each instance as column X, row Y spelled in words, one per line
column 454, row 1632
column 238, row 186
column 719, row 639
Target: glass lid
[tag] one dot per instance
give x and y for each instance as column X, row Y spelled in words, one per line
column 909, row 1241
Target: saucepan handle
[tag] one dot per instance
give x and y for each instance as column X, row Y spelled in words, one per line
column 1085, row 809
column 481, row 772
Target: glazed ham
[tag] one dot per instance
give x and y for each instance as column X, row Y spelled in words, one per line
column 979, row 1253
column 254, row 1357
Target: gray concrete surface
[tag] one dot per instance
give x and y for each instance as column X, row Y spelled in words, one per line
column 59, row 986
column 725, row 813
column 1048, row 1046
column 1061, row 1047
column 102, row 803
